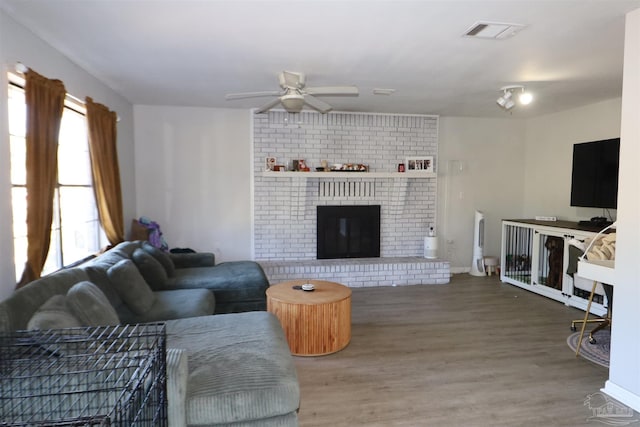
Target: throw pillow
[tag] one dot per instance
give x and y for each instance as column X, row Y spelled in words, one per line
column 131, row 287
column 53, row 314
column 150, row 268
column 90, row 305
column 162, row 257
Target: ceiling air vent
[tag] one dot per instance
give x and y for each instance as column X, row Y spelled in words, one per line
column 493, row 30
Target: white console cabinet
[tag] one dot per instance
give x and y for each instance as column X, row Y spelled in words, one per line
column 535, row 257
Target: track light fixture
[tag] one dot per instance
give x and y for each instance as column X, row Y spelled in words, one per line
column 506, row 102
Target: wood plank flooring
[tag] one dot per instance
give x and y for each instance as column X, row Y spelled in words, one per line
column 475, row 352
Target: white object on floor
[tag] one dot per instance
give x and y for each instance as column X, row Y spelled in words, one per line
column 491, row 263
column 477, row 263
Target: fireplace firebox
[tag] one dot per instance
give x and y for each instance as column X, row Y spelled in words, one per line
column 348, row 231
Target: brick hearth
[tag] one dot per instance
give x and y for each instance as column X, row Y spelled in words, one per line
column 362, row 272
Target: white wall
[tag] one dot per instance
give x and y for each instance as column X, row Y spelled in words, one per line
column 508, row 169
column 480, row 167
column 548, row 157
column 19, row 44
column 194, row 177
column 187, row 155
column 624, row 373
column 188, row 173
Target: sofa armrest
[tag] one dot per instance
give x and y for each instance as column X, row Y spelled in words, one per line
column 195, row 259
column 177, row 376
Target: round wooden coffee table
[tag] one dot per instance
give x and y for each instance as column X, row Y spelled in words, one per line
column 315, row 323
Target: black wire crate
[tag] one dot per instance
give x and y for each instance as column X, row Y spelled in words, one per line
column 97, row 376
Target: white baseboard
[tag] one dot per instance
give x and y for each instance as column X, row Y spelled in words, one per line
column 622, row 395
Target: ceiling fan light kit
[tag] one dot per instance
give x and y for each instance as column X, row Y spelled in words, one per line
column 293, row 102
column 294, row 95
column 506, row 102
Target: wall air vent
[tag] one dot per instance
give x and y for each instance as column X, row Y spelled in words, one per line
column 493, row 30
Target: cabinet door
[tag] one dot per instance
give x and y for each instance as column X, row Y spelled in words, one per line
column 517, row 250
column 549, row 262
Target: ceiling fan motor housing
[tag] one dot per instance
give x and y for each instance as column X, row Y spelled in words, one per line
column 291, row 80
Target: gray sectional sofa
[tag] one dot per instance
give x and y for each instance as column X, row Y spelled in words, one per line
column 237, row 286
column 223, row 369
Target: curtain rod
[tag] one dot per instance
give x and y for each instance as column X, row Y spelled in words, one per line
column 22, row 69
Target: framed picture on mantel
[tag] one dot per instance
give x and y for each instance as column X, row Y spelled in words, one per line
column 423, row 164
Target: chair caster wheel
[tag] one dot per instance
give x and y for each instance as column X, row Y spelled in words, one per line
column 573, row 328
column 592, row 340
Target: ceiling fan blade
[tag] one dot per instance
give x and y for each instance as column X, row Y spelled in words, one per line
column 269, row 105
column 316, row 104
column 333, row 91
column 244, row 95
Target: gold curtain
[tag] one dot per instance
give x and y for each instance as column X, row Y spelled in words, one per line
column 45, row 104
column 105, row 169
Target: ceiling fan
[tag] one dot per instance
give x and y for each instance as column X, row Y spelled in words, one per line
column 294, row 94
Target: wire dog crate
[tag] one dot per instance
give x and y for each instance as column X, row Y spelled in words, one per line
column 98, row 376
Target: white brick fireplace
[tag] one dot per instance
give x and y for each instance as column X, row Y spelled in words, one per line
column 285, row 204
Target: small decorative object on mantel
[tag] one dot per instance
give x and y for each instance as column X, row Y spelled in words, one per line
column 302, row 166
column 349, row 167
column 400, row 167
column 270, row 163
column 422, row 164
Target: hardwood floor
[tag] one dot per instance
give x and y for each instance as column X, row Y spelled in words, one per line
column 475, row 352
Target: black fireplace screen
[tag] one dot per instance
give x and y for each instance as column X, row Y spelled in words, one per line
column 348, row 231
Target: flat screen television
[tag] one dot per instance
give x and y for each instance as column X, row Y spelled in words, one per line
column 594, row 175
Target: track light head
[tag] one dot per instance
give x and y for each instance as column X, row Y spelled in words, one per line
column 502, row 101
column 506, row 102
column 525, row 98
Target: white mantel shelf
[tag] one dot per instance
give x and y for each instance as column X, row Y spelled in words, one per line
column 358, row 175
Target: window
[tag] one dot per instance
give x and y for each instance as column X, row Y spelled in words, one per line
column 75, row 231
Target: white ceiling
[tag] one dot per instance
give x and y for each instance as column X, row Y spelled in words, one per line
column 192, row 53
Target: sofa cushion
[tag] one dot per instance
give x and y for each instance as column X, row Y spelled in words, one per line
column 131, row 287
column 229, row 281
column 153, row 272
column 53, row 314
column 240, row 368
column 127, row 247
column 193, row 259
column 175, row 304
column 20, row 306
column 90, row 306
column 162, row 257
column 97, row 271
